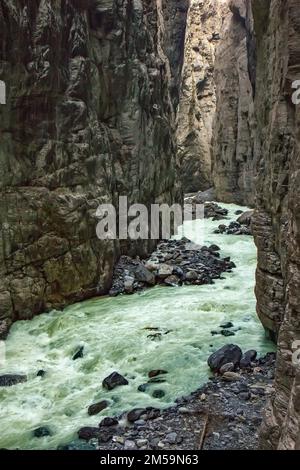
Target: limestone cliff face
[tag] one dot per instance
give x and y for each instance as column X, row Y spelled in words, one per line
column 215, row 123
column 90, row 115
column 277, row 220
column 233, row 166
column 198, row 96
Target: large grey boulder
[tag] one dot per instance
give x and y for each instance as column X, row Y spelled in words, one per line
column 227, row 354
column 114, row 380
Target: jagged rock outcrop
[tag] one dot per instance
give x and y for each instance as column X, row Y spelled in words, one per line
column 276, row 222
column 90, row 115
column 198, row 95
column 233, row 166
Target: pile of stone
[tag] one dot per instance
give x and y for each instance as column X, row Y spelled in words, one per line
column 174, row 263
column 214, row 211
column 242, row 226
column 230, row 358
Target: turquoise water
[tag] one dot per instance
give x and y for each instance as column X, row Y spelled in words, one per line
column 114, row 334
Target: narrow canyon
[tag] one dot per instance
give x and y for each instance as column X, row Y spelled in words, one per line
column 161, row 101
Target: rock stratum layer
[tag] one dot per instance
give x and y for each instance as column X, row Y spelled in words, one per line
column 92, row 90
column 277, row 219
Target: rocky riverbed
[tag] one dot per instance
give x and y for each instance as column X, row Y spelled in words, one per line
column 223, row 414
column 158, row 341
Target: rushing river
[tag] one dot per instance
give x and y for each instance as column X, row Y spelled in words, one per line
column 114, row 334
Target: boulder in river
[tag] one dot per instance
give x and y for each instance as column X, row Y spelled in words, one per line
column 191, row 276
column 114, row 380
column 78, row 445
column 96, row 408
column 172, row 281
column 158, row 394
column 106, row 434
column 227, row 368
column 228, row 353
column 156, row 373
column 43, row 431
column 4, row 328
column 12, row 379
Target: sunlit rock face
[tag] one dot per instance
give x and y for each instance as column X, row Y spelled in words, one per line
column 90, row 115
column 198, row 96
column 276, row 223
column 233, row 166
column 215, row 124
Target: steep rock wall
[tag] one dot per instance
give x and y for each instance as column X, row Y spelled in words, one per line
column 277, row 220
column 233, row 163
column 215, row 121
column 90, row 115
column 198, row 95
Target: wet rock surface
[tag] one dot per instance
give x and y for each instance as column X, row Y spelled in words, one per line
column 223, row 414
column 114, row 380
column 41, row 432
column 201, row 197
column 214, row 211
column 276, row 223
column 10, row 380
column 174, row 263
column 96, row 408
column 234, row 228
column 227, row 354
column 233, row 162
column 198, row 93
column 242, row 226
